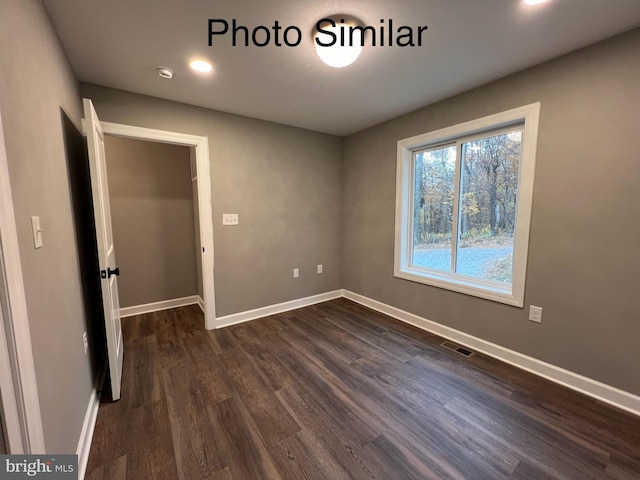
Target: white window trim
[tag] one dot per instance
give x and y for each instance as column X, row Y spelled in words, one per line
column 529, row 115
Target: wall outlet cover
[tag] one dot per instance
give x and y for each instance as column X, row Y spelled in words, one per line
column 230, row 219
column 535, row 314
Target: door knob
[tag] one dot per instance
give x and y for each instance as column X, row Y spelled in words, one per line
column 115, row 271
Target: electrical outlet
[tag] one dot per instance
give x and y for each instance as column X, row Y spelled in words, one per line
column 535, row 314
column 296, row 272
column 230, row 219
column 86, row 343
column 320, row 268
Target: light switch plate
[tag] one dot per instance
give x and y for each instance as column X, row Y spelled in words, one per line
column 230, row 219
column 37, row 232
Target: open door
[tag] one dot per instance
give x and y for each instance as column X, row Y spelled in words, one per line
column 106, row 252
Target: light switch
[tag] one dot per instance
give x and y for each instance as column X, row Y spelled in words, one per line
column 37, row 232
column 230, row 219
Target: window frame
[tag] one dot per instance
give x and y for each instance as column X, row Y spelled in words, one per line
column 527, row 118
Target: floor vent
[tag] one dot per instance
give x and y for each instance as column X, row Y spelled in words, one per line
column 457, row 348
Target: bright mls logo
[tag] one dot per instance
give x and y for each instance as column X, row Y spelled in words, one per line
column 56, row 467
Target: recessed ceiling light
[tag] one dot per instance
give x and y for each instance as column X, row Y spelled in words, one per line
column 534, row 2
column 164, row 72
column 337, row 55
column 201, row 66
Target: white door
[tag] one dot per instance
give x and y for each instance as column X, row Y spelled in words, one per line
column 106, row 253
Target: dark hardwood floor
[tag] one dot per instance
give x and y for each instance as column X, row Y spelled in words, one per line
column 337, row 391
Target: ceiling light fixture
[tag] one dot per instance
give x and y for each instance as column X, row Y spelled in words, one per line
column 337, row 43
column 534, row 2
column 201, row 66
column 164, row 72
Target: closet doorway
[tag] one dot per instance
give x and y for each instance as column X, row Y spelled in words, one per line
column 160, row 196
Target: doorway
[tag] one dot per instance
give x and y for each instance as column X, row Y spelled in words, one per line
column 199, row 166
column 19, row 404
column 16, row 424
column 153, row 203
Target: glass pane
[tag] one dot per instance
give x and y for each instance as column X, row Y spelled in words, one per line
column 434, row 178
column 488, row 197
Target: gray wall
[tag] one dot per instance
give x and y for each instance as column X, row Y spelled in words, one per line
column 152, row 215
column 36, row 82
column 283, row 182
column 583, row 254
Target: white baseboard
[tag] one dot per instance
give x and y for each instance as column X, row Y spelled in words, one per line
column 593, row 388
column 201, row 303
column 86, row 434
column 157, row 306
column 600, row 391
column 587, row 386
column 241, row 317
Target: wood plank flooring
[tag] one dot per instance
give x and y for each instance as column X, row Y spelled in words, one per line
column 338, row 391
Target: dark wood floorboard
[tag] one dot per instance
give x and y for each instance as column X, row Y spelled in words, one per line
column 338, row 391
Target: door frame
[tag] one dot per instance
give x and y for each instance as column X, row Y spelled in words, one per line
column 203, row 173
column 20, row 401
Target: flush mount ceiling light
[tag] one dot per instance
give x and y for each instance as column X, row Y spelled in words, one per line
column 337, row 43
column 534, row 2
column 201, row 66
column 164, row 72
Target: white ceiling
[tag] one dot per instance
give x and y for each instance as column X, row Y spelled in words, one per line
column 118, row 43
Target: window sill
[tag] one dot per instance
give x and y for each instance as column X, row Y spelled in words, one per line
column 480, row 290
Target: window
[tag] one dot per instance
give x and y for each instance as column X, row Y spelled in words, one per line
column 463, row 205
